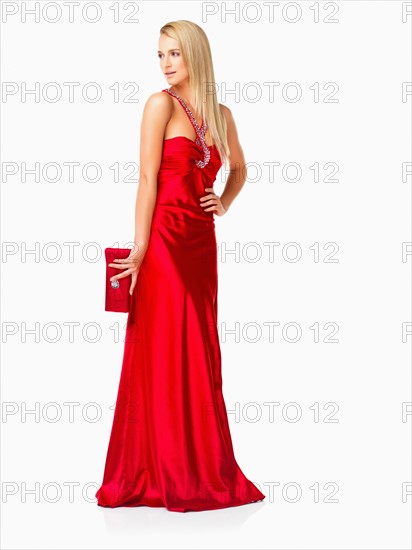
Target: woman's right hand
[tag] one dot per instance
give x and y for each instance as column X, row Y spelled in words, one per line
column 130, row 265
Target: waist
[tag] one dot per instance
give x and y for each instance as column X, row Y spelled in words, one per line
column 189, row 210
column 182, row 217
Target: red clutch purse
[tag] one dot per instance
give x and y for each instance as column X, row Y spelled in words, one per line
column 117, row 291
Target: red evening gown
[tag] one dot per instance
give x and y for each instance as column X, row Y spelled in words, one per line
column 170, row 444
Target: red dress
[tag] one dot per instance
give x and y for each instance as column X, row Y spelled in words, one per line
column 170, row 443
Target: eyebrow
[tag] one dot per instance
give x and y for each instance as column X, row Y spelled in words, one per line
column 172, row 50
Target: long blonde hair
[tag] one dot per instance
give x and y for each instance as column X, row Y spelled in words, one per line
column 197, row 56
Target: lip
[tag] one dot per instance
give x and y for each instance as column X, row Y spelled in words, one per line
column 170, row 74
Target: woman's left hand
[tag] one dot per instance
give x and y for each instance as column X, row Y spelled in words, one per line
column 213, row 202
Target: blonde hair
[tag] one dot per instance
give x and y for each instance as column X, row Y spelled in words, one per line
column 197, row 56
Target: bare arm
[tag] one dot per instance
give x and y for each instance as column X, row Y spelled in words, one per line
column 156, row 114
column 237, row 164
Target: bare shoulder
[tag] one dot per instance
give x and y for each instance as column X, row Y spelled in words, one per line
column 159, row 100
column 157, row 112
column 235, row 148
column 232, row 134
column 230, row 122
column 226, row 112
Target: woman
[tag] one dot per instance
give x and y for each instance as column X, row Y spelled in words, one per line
column 170, row 443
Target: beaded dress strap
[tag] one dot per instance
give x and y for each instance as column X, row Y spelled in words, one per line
column 200, row 132
column 187, row 110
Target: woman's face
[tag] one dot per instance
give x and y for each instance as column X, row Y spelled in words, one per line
column 171, row 61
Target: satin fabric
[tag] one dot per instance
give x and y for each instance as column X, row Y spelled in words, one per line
column 170, row 443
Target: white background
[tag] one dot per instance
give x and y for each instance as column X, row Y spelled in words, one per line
column 336, row 290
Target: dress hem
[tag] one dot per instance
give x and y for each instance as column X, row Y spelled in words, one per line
column 184, row 509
